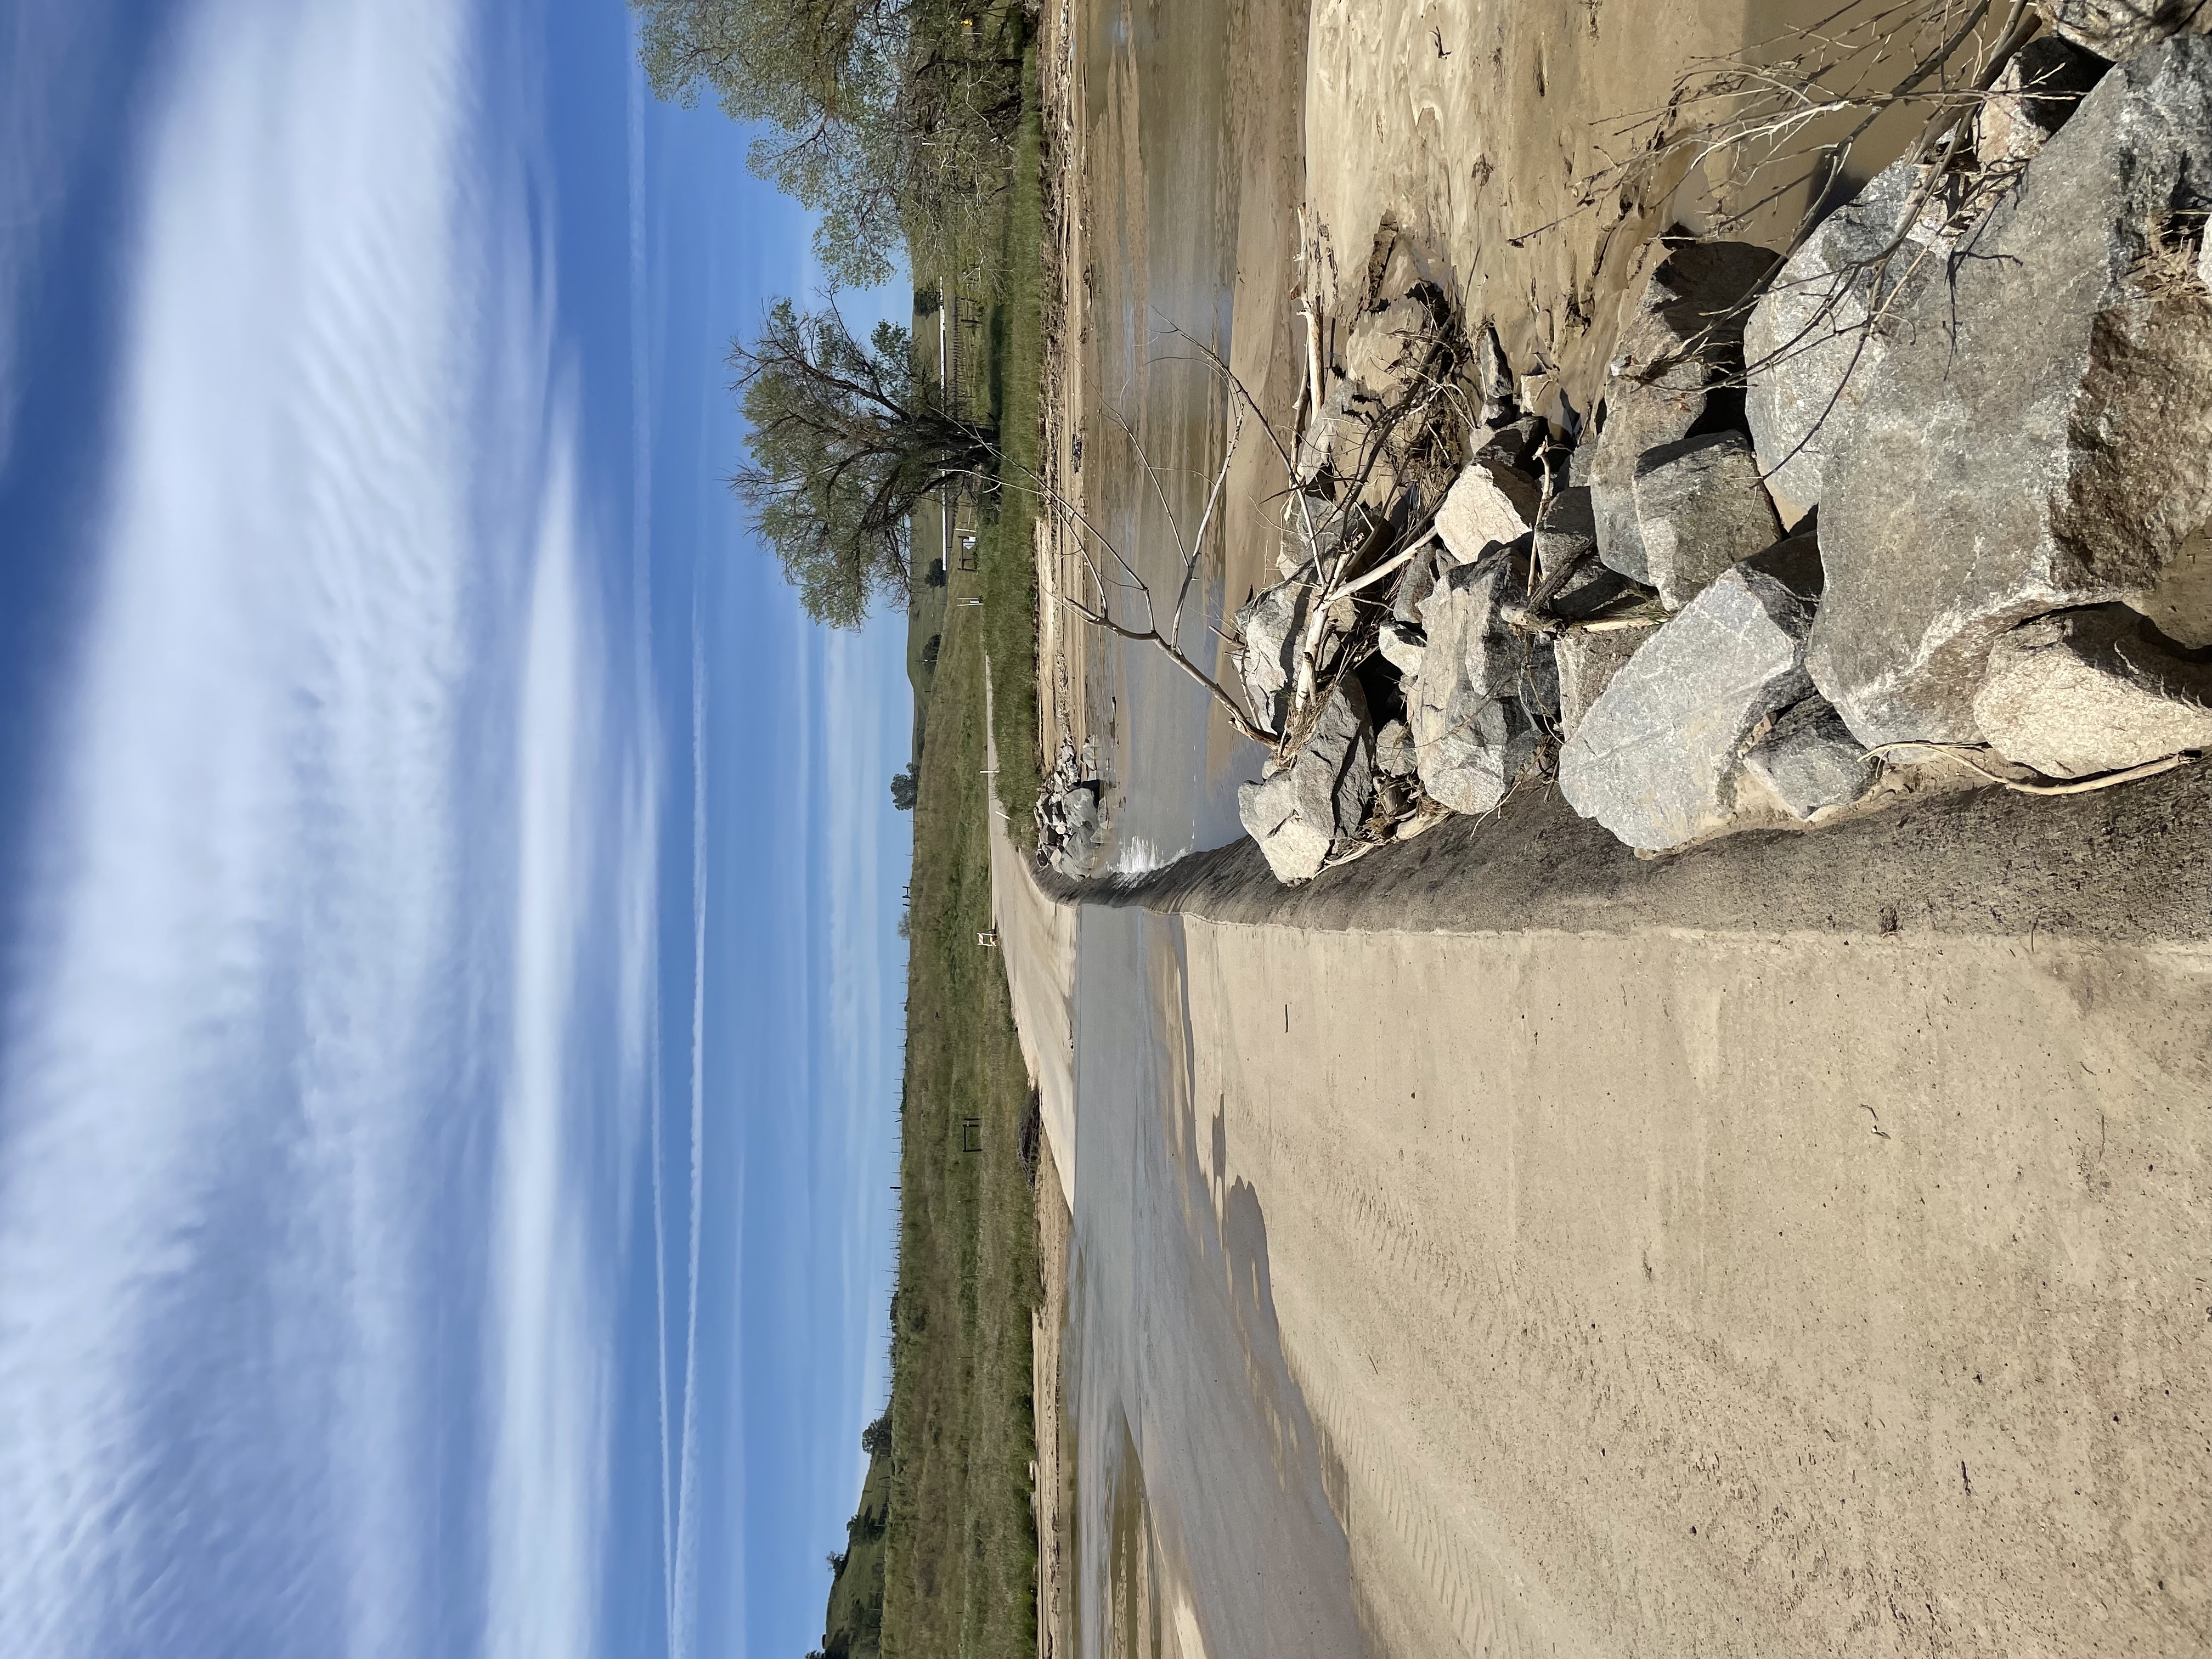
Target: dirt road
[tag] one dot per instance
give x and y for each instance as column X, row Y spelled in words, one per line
column 1634, row 1283
column 1728, row 1293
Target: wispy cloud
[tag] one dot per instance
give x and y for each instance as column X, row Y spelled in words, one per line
column 550, row 1357
column 684, row 1548
column 344, row 802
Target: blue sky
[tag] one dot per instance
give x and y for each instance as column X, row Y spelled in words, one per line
column 448, row 892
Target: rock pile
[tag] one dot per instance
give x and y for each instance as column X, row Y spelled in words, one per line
column 1070, row 830
column 1939, row 482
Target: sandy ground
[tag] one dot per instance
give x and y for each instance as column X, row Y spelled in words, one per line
column 1469, row 124
column 1053, row 1480
column 1037, row 937
column 1794, row 1247
column 1720, row 1294
column 1475, row 127
column 1741, row 1270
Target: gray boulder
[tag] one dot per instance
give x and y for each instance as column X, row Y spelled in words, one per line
column 1700, row 507
column 2032, row 97
column 2033, row 439
column 1393, row 751
column 1516, row 443
column 1491, row 501
column 1472, row 709
column 1656, row 758
column 1317, row 801
column 1403, row 645
column 1493, row 375
column 1478, row 752
column 1335, row 436
column 2095, row 690
column 1587, row 663
column 1415, row 582
column 1808, row 342
column 1567, row 531
column 1270, row 626
column 2119, row 29
column 1312, row 531
column 1071, row 819
column 1810, row 761
column 1078, row 807
column 1685, row 342
column 1567, row 540
column 1387, row 349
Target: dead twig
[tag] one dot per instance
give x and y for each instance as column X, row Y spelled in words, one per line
column 1964, row 753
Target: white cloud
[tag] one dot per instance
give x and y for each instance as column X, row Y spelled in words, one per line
column 279, row 951
column 550, row 1363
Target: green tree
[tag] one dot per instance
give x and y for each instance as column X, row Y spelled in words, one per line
column 844, row 441
column 880, row 114
column 795, row 63
column 903, row 786
column 827, row 78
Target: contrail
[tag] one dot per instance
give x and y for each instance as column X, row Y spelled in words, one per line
column 680, row 1630
column 641, row 546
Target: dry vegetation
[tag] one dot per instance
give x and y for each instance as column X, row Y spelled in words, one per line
column 961, row 1556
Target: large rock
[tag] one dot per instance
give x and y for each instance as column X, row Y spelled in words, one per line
column 1336, row 435
column 1566, row 539
column 1415, row 582
column 2033, row 439
column 1700, row 507
column 1313, row 529
column 1493, row 375
column 1587, row 663
column 1658, row 757
column 1517, row 443
column 1684, row 344
column 1809, row 345
column 2120, row 28
column 1491, row 501
column 1811, row 762
column 2032, row 97
column 1393, row 751
column 1470, row 708
column 1317, row 801
column 1403, row 645
column 1270, row 627
column 1387, row 348
column 2096, row 690
column 1567, row 531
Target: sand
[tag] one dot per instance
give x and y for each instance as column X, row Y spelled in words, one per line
column 1869, row 1244
column 1053, row 1479
column 1474, row 128
column 1684, row 1291
column 1666, row 1270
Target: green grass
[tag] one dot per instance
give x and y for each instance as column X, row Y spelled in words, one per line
column 854, row 1627
column 1007, row 550
column 947, row 1566
column 961, row 1550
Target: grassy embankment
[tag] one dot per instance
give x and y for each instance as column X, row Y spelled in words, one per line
column 961, row 1551
column 1008, row 545
column 954, row 1541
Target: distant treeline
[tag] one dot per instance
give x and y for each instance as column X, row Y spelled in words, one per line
column 852, row 1624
